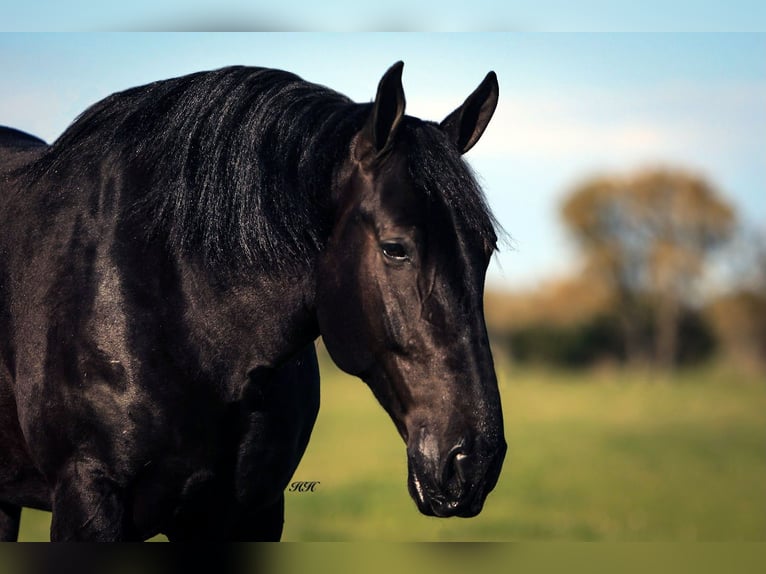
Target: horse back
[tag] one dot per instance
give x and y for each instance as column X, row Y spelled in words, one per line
column 20, row 482
column 11, row 137
column 17, row 149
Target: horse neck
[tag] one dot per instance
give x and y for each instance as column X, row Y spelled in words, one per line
column 254, row 320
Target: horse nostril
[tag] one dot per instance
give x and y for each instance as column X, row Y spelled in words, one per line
column 456, row 472
column 461, row 463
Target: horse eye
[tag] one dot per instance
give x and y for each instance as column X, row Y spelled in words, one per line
column 395, row 251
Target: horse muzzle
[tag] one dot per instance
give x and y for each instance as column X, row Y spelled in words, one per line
column 457, row 483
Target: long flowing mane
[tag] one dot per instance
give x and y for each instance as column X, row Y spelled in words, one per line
column 236, row 164
column 235, row 160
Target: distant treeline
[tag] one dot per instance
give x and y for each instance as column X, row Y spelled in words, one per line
column 646, row 242
column 554, row 326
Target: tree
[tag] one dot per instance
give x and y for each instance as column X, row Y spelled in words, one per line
column 739, row 314
column 647, row 236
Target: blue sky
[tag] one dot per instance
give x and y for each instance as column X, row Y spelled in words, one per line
column 571, row 105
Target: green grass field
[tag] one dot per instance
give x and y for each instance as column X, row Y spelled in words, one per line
column 591, row 456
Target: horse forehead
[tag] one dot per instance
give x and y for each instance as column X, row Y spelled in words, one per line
column 397, row 194
column 387, row 192
column 397, row 197
column 392, row 191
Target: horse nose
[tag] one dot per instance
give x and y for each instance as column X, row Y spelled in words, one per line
column 457, row 482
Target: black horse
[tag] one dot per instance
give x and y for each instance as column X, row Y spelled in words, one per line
column 168, row 262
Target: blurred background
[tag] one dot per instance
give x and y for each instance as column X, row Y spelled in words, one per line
column 626, row 307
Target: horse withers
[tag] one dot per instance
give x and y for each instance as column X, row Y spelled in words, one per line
column 168, row 262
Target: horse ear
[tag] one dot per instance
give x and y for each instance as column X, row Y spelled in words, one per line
column 388, row 109
column 466, row 124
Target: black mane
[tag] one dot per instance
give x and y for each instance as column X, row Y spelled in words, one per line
column 237, row 159
column 239, row 162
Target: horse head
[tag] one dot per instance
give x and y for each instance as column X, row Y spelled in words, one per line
column 400, row 292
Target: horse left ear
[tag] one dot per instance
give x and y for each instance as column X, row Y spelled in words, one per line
column 387, row 111
column 466, row 124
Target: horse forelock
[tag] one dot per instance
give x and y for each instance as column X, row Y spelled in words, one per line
column 437, row 168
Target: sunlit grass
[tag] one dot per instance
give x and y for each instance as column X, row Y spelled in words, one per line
column 609, row 455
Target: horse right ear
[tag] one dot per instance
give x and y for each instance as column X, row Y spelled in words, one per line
column 387, row 111
column 465, row 125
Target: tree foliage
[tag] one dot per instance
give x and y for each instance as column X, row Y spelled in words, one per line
column 648, row 236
